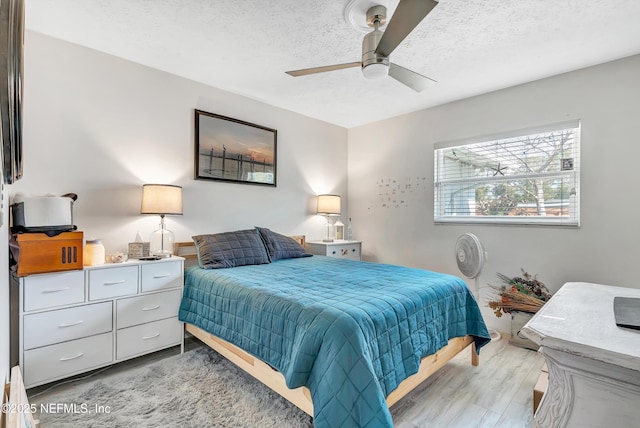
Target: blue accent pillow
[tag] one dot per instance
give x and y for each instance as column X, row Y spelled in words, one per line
column 280, row 246
column 230, row 249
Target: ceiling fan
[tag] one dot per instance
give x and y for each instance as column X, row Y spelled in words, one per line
column 378, row 45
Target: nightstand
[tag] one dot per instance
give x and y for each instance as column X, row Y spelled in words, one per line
column 75, row 321
column 338, row 248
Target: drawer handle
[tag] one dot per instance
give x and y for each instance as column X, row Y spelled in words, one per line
column 150, row 337
column 57, row 290
column 151, row 308
column 72, row 358
column 71, row 324
column 122, row 281
column 162, row 275
column 345, row 251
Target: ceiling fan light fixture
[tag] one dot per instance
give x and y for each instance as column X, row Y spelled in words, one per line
column 375, row 71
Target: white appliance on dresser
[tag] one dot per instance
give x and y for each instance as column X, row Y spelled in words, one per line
column 75, row 321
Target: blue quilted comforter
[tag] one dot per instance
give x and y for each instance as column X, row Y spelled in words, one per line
column 349, row 331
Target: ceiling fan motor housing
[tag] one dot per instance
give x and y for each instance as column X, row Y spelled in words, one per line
column 374, row 65
column 379, row 65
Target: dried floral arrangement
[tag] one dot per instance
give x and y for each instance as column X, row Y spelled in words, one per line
column 524, row 294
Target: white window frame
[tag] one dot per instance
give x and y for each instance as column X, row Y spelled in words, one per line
column 441, row 183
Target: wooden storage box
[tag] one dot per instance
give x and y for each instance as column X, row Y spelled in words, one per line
column 40, row 253
column 541, row 387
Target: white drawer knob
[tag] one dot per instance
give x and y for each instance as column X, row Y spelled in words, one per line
column 162, row 275
column 72, row 358
column 150, row 337
column 71, row 324
column 151, row 308
column 56, row 290
column 122, row 281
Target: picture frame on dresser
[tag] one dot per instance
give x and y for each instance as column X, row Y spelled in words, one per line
column 232, row 150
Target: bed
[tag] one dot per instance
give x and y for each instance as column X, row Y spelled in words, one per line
column 341, row 339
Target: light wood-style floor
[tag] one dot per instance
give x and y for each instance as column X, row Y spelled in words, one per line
column 497, row 393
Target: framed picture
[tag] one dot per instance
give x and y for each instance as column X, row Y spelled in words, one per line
column 232, row 150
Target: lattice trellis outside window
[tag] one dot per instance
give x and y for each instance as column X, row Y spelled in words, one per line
column 522, row 177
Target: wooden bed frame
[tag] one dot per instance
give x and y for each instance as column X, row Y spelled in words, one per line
column 301, row 397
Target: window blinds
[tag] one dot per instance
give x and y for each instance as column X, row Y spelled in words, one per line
column 525, row 177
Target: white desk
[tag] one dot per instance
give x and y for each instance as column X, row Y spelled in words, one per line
column 594, row 365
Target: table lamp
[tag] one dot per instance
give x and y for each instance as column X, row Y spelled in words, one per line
column 328, row 206
column 161, row 199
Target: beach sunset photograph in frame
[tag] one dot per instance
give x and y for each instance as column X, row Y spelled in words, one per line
column 232, row 150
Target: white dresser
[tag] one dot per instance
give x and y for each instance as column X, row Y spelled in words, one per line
column 594, row 365
column 76, row 321
column 338, row 248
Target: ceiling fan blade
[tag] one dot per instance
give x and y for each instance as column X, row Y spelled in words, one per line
column 314, row 70
column 415, row 81
column 407, row 16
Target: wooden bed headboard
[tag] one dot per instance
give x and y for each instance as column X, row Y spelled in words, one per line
column 188, row 250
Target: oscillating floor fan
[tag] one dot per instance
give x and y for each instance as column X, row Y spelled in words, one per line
column 470, row 256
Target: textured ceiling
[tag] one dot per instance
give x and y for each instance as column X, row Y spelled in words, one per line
column 469, row 46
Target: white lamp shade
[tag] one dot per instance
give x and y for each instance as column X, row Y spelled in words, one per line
column 328, row 205
column 161, row 199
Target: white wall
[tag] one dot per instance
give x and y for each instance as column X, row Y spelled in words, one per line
column 101, row 126
column 605, row 248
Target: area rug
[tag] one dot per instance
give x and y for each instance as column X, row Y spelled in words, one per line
column 199, row 388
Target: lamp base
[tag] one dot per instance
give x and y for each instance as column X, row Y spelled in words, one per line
column 164, row 255
column 161, row 242
column 329, row 233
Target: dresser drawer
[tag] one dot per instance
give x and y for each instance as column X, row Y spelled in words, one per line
column 148, row 337
column 345, row 251
column 157, row 276
column 112, row 282
column 47, row 328
column 49, row 363
column 54, row 289
column 151, row 307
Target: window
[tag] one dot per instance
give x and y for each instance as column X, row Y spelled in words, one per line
column 525, row 177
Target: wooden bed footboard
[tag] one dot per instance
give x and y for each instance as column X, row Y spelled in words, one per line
column 257, row 368
column 301, row 397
